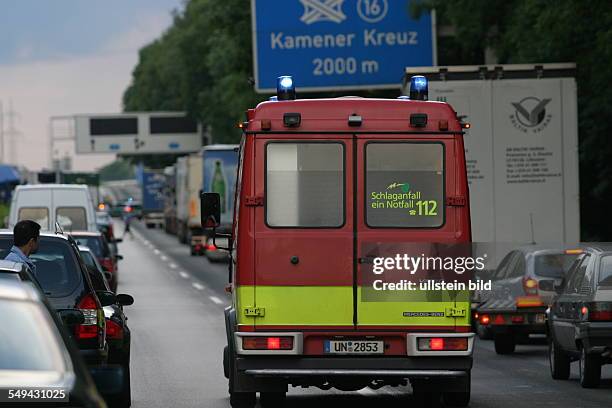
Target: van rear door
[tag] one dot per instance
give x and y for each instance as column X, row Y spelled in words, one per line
column 304, row 233
column 402, row 186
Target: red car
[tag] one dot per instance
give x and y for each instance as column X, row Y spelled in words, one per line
column 96, row 241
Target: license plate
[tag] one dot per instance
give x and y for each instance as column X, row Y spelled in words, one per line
column 354, row 347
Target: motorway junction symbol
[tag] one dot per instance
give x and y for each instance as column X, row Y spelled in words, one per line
column 322, row 10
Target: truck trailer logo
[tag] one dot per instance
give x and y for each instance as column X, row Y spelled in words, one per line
column 530, row 113
column 322, row 10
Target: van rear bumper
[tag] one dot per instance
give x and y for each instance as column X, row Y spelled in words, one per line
column 257, row 373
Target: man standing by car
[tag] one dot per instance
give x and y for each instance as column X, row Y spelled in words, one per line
column 25, row 243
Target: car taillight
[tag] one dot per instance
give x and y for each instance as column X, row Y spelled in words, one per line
column 267, row 343
column 113, row 330
column 211, row 247
column 443, row 344
column 597, row 312
column 518, row 319
column 89, row 329
column 530, row 286
column 107, row 263
column 485, row 319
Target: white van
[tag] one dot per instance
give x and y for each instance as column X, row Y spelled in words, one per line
column 71, row 205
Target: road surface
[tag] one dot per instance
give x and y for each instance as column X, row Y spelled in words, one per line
column 178, row 336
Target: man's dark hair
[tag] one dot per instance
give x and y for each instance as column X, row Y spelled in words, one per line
column 24, row 231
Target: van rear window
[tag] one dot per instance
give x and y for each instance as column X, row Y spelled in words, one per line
column 38, row 214
column 404, row 185
column 305, row 185
column 72, row 218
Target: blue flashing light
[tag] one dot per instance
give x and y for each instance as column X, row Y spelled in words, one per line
column 285, row 88
column 419, row 88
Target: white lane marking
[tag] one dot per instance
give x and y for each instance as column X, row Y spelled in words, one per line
column 184, row 275
column 147, row 242
column 198, row 286
column 156, row 251
column 216, row 300
column 164, row 258
column 173, row 266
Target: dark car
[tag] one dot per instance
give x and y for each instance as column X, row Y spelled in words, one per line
column 36, row 351
column 118, row 333
column 580, row 318
column 98, row 244
column 516, row 306
column 65, row 281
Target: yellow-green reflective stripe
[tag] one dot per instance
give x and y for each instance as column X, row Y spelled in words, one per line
column 297, row 305
column 333, row 306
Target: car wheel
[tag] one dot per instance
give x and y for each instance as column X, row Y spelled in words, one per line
column 504, row 344
column 559, row 361
column 242, row 399
column 483, row 332
column 590, row 369
column 272, row 399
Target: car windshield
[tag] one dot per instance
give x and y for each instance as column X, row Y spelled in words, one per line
column 553, row 265
column 95, row 243
column 605, row 271
column 57, row 269
column 29, row 342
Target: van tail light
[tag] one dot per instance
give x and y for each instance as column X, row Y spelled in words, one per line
column 485, row 319
column 211, row 247
column 114, row 331
column 518, row 319
column 267, row 343
column 443, row 344
column 89, row 329
column 597, row 312
column 530, row 286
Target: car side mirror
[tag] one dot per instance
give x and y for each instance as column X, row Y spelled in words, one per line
column 106, row 298
column 71, row 317
column 125, row 300
column 210, row 210
column 547, row 285
column 119, row 257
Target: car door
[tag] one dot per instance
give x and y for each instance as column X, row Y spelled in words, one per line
column 303, row 274
column 401, row 189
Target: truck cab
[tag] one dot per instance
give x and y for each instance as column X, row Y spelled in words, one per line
column 323, row 186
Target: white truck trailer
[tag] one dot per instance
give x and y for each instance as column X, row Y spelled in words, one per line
column 521, row 148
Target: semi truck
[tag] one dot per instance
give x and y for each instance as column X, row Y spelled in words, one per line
column 219, row 175
column 521, row 148
column 170, row 224
column 152, row 186
column 188, row 186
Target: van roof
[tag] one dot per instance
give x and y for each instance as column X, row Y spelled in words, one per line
column 52, row 186
column 7, row 232
column 332, row 114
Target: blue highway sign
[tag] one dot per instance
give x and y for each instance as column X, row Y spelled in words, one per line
column 338, row 44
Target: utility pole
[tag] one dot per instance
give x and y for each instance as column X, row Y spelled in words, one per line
column 12, row 134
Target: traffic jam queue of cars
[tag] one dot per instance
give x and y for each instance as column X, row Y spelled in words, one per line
column 64, row 334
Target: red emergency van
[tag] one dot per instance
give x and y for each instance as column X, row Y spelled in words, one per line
column 320, row 183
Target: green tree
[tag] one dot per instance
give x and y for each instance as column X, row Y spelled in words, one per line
column 544, row 31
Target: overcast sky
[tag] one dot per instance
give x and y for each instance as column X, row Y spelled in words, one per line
column 62, row 57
